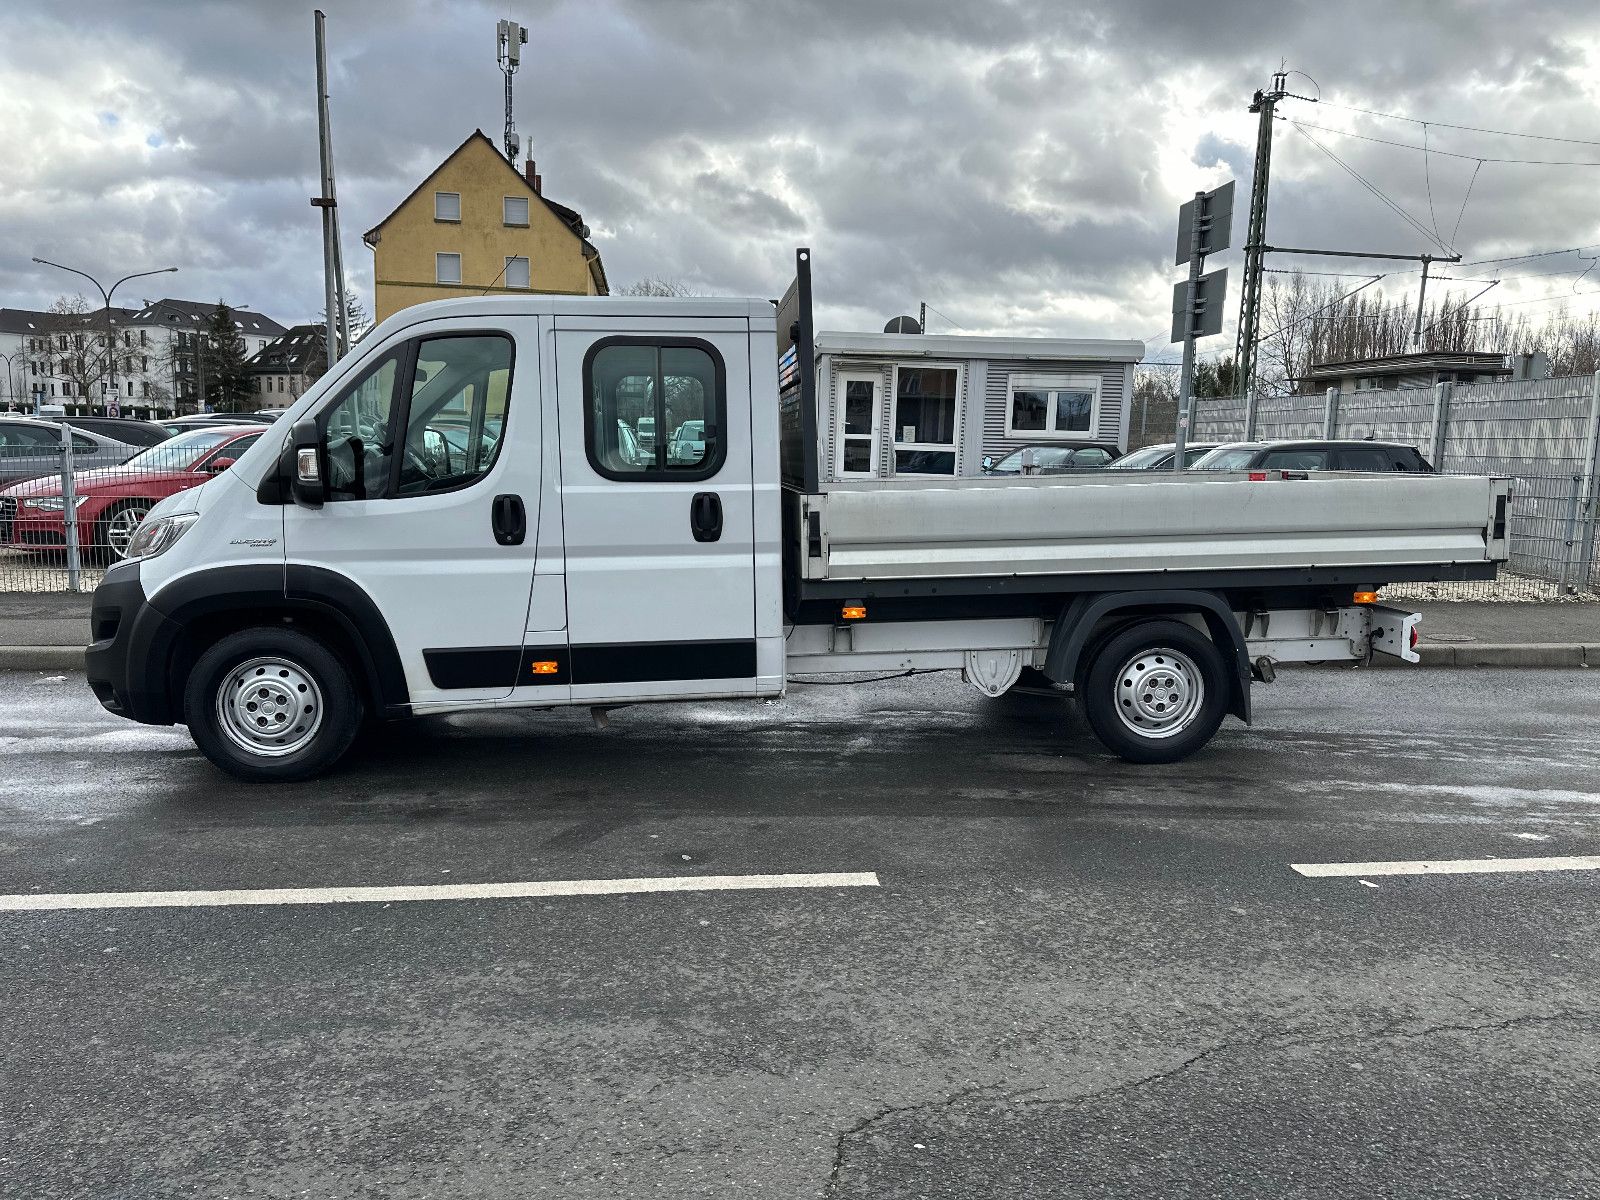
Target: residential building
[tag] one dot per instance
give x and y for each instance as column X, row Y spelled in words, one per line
column 283, row 371
column 1418, row 369
column 152, row 368
column 477, row 225
column 909, row 404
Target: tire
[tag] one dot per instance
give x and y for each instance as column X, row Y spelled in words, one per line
column 302, row 725
column 1167, row 722
column 116, row 527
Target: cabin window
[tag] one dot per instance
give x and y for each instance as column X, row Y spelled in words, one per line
column 927, row 419
column 1053, row 406
column 656, row 409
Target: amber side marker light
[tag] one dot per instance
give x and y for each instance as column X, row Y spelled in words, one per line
column 545, row 668
column 854, row 612
column 1366, row 597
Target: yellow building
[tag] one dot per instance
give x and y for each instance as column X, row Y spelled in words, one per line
column 477, row 225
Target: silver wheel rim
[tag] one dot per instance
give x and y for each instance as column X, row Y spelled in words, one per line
column 121, row 528
column 269, row 707
column 1159, row 692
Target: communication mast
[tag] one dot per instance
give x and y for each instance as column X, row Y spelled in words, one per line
column 509, row 40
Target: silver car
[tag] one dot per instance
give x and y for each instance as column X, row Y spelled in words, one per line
column 29, row 449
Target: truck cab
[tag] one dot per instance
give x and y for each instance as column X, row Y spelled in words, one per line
column 466, row 510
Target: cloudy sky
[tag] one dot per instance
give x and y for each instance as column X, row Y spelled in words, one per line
column 1017, row 165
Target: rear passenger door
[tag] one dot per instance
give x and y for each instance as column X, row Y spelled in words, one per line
column 659, row 529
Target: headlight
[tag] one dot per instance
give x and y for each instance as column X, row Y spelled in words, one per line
column 159, row 536
column 52, row 503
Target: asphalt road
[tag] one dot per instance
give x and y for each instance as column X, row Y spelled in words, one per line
column 1077, row 977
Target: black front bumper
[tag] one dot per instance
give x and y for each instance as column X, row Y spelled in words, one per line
column 128, row 660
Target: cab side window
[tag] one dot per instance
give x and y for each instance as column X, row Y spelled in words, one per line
column 655, row 409
column 427, row 417
column 356, row 436
column 1296, row 460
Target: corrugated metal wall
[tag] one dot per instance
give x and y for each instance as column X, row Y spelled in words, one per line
column 997, row 389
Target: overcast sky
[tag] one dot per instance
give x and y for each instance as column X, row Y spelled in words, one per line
column 1018, row 166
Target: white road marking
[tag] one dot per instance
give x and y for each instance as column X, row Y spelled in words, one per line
column 1451, row 866
column 444, row 891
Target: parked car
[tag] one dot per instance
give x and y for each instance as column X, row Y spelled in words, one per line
column 113, row 500
column 128, row 430
column 1159, row 458
column 30, row 448
column 688, row 444
column 1315, row 454
column 1051, row 460
column 203, row 420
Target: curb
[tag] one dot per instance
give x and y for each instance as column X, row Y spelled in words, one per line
column 41, row 658
column 1523, row 654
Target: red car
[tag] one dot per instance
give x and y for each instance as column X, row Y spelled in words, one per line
column 113, row 500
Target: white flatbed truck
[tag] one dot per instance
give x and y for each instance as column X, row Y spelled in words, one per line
column 461, row 516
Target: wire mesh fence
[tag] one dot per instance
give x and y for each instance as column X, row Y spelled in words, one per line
column 72, row 499
column 1544, row 434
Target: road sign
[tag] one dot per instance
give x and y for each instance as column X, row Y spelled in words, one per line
column 1209, row 292
column 1216, row 229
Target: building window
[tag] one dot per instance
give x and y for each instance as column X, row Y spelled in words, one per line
column 447, row 206
column 858, row 423
column 926, row 420
column 516, row 210
column 517, row 273
column 447, row 268
column 1053, row 406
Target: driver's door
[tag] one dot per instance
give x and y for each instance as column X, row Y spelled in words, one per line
column 432, row 460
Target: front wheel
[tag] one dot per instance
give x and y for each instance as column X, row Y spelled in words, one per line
column 1156, row 692
column 271, row 705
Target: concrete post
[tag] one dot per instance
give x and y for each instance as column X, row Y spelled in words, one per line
column 1330, row 413
column 1250, row 414
column 69, row 511
column 1589, row 504
column 1441, row 423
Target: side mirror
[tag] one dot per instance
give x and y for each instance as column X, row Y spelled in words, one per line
column 988, row 462
column 219, row 465
column 306, row 484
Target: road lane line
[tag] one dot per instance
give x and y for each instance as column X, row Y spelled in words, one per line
column 444, row 891
column 1451, row 866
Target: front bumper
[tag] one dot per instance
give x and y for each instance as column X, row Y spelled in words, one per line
column 127, row 662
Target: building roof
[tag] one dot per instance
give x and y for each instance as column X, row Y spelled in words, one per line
column 28, row 321
column 957, row 346
column 195, row 312
column 569, row 217
column 1481, row 361
column 298, row 352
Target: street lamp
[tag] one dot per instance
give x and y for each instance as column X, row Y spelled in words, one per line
column 11, row 387
column 105, row 295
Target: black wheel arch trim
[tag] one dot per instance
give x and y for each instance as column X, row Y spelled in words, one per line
column 290, row 589
column 1081, row 616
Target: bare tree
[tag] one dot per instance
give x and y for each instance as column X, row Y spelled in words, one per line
column 657, row 286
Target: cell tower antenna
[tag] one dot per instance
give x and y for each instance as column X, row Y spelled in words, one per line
column 510, row 37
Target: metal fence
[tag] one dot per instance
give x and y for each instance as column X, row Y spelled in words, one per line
column 1543, row 433
column 71, row 499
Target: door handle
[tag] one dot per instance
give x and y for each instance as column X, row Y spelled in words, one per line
column 705, row 516
column 510, row 520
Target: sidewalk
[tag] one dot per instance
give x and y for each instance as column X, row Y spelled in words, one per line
column 46, row 631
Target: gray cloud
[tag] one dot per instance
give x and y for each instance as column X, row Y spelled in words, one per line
column 1018, row 165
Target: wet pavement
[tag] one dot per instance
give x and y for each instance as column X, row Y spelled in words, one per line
column 1077, row 977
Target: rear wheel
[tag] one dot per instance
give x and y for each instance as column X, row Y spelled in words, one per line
column 271, row 704
column 1156, row 692
column 117, row 527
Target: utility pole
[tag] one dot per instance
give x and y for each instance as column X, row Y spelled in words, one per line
column 510, row 37
column 1422, row 299
column 1244, row 357
column 337, row 329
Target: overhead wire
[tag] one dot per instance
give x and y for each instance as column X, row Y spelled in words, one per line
column 1488, row 158
column 1542, row 137
column 1372, row 187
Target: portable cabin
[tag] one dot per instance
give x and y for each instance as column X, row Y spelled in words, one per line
column 909, row 404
